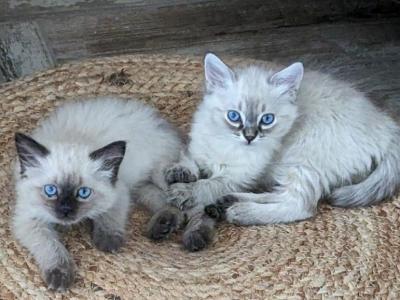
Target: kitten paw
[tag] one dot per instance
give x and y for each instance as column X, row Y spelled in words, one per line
column 60, row 278
column 242, row 214
column 214, row 212
column 196, row 240
column 180, row 195
column 179, row 174
column 163, row 223
column 106, row 241
column 218, row 210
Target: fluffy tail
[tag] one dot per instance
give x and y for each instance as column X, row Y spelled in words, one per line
column 381, row 184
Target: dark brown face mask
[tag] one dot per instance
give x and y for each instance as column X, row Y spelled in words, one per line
column 66, row 204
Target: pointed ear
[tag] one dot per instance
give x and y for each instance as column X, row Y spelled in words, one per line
column 110, row 157
column 289, row 79
column 29, row 151
column 218, row 74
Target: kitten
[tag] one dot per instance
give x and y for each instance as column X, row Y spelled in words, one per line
column 300, row 139
column 329, row 141
column 224, row 155
column 84, row 162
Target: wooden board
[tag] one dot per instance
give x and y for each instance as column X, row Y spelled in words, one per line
column 77, row 29
column 349, row 35
column 22, row 50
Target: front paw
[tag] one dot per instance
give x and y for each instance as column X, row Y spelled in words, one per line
column 180, row 195
column 163, row 223
column 179, row 174
column 243, row 214
column 60, row 278
column 218, row 210
column 198, row 239
column 107, row 241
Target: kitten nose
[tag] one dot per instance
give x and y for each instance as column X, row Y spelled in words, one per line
column 64, row 210
column 249, row 134
column 249, row 138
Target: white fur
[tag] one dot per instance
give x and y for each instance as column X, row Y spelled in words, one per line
column 217, row 74
column 326, row 134
column 232, row 164
column 338, row 135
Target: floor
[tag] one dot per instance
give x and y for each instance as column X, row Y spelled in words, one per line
column 357, row 40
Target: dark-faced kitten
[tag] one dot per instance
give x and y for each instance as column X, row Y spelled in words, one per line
column 84, row 162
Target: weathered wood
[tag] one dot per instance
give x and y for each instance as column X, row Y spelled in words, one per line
column 363, row 44
column 78, row 28
column 293, row 11
column 22, row 51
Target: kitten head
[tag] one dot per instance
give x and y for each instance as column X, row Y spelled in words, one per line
column 251, row 105
column 66, row 183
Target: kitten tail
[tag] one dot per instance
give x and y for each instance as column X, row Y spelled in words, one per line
column 382, row 183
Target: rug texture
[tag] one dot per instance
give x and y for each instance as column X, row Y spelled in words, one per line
column 345, row 254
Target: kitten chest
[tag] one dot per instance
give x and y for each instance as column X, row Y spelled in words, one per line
column 239, row 163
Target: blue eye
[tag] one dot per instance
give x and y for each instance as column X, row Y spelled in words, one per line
column 84, row 192
column 233, row 116
column 267, row 119
column 50, row 190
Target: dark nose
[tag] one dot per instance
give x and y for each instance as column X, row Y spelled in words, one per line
column 249, row 138
column 249, row 134
column 64, row 210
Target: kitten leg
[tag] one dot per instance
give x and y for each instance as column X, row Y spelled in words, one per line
column 164, row 222
column 250, row 213
column 217, row 210
column 165, row 219
column 109, row 227
column 204, row 191
column 200, row 230
column 55, row 263
column 185, row 171
column 251, row 197
column 191, row 198
column 151, row 197
column 296, row 198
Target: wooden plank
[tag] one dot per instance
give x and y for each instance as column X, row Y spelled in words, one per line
column 366, row 53
column 77, row 29
column 22, row 50
column 108, row 32
column 315, row 9
column 98, row 40
column 259, row 29
column 322, row 9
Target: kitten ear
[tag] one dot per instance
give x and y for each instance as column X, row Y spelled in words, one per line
column 29, row 151
column 289, row 79
column 218, row 74
column 111, row 157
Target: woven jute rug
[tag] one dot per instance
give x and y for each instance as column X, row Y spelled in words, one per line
column 340, row 253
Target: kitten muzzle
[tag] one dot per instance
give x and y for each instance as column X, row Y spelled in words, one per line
column 66, row 210
column 250, row 134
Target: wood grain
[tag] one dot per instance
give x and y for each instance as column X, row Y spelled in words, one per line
column 360, row 37
column 22, row 50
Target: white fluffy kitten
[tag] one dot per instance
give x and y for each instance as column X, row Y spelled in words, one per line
column 302, row 139
column 84, row 162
